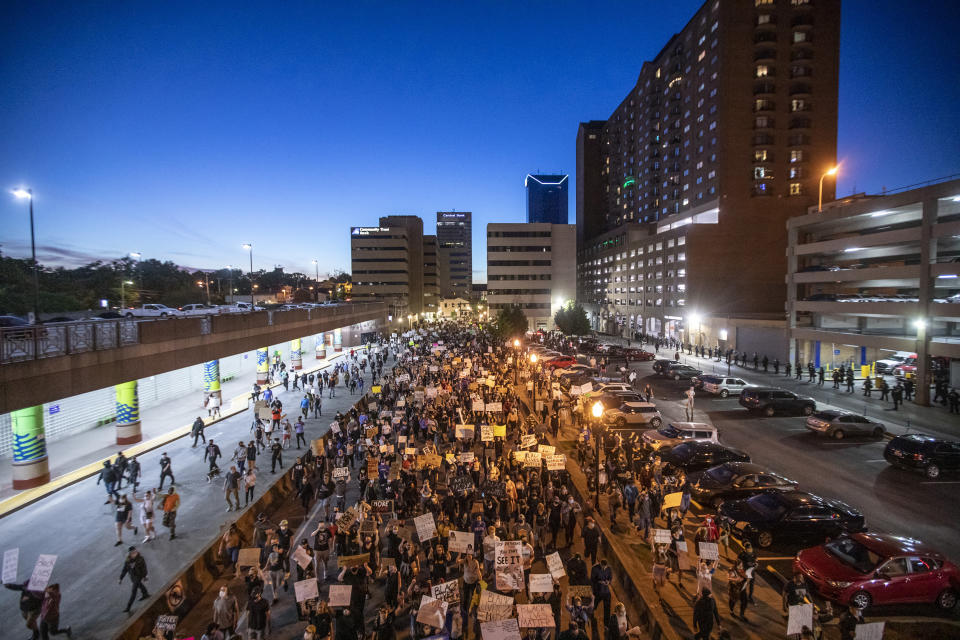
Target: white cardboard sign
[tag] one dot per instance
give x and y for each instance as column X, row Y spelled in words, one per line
column 306, row 589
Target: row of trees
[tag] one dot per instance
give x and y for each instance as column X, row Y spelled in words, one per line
column 132, row 283
column 571, row 320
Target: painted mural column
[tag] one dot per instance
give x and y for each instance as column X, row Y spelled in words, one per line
column 263, row 365
column 296, row 355
column 321, row 345
column 30, row 467
column 211, row 384
column 337, row 341
column 128, row 413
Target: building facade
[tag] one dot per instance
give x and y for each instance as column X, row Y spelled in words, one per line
column 431, row 283
column 547, row 198
column 455, row 258
column 387, row 264
column 723, row 138
column 873, row 277
column 532, row 266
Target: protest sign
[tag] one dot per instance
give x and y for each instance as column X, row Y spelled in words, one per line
column 340, row 595
column 555, row 565
column 432, row 612
column 528, row 441
column 661, row 536
column 486, row 433
column 264, row 413
column 466, row 456
column 582, row 591
column 508, row 561
column 556, row 462
column 546, row 449
column 347, row 518
column 477, row 405
column 375, row 389
column 426, row 527
column 507, row 629
column 535, row 616
column 709, row 551
column 448, row 591
column 306, row 590
column 499, row 431
column 586, row 387
column 42, row 571
column 166, row 622
column 460, row 541
column 341, row 472
column 381, row 506
column 352, row 561
column 495, row 489
column 464, row 431
column 249, row 557
column 461, row 484
column 519, row 456
column 301, row 557
column 672, row 500
column 799, row 616
column 541, row 583
column 493, row 407
column 11, row 558
column 494, row 606
column 532, row 459
column 869, row 631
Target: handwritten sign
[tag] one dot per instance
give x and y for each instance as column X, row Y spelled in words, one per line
column 508, row 561
column 42, row 571
column 306, row 590
column 535, row 616
column 461, row 484
column 432, row 612
column 352, row 561
column 869, row 631
column 582, row 591
column 340, row 595
column 507, row 629
column 301, row 557
column 661, row 536
column 449, row 592
column 11, row 558
column 382, row 506
column 493, row 407
column 555, row 565
column 460, row 542
column 546, row 449
column 709, row 551
column 466, row 456
column 532, row 459
column 341, row 472
column 528, row 441
column 494, row 606
column 477, row 405
column 486, row 433
column 426, row 527
column 166, row 623
column 556, row 462
column 464, row 431
column 800, row 616
column 541, row 583
column 249, row 557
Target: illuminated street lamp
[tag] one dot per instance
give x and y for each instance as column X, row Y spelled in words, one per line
column 27, row 194
column 249, row 247
column 832, row 171
column 230, row 269
column 597, row 411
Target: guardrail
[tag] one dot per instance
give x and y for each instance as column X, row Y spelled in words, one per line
column 49, row 341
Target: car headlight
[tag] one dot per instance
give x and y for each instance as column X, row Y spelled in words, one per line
column 838, row 584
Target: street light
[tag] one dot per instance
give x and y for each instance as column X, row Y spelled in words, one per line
column 27, row 194
column 249, row 247
column 316, row 265
column 123, row 295
column 136, row 255
column 597, row 411
column 230, row 269
column 694, row 319
column 832, row 171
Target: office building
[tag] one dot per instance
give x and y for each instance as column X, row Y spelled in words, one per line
column 532, row 266
column 387, row 264
column 684, row 191
column 877, row 279
column 431, row 284
column 547, row 198
column 455, row 253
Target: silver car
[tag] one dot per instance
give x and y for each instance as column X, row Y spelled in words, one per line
column 724, row 386
column 633, row 413
column 840, row 424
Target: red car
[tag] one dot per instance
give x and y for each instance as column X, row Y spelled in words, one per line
column 560, row 362
column 638, row 354
column 867, row 569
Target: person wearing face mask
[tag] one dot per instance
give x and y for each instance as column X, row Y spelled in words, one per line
column 321, row 549
column 258, row 616
column 570, row 510
column 591, row 539
column 226, row 612
column 600, row 577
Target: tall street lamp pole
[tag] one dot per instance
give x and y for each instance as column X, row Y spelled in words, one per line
column 123, row 294
column 230, row 268
column 832, row 171
column 597, row 412
column 249, row 247
column 28, row 195
column 316, row 285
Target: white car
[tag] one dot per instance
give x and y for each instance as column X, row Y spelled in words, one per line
column 612, row 386
column 672, row 434
column 633, row 413
column 153, row 311
column 724, row 386
column 199, row 309
column 243, row 307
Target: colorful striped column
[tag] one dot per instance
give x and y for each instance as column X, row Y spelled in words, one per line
column 211, row 380
column 337, row 340
column 296, row 355
column 30, row 467
column 128, row 413
column 263, row 365
column 321, row 345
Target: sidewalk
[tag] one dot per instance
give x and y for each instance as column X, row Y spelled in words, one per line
column 75, row 524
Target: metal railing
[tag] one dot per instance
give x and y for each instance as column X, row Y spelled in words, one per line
column 48, row 341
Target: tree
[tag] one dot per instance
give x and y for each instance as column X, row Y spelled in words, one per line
column 511, row 322
column 572, row 320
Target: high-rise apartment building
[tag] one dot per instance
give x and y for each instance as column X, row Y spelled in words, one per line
column 531, row 265
column 431, row 273
column 455, row 253
column 684, row 191
column 547, row 198
column 388, row 264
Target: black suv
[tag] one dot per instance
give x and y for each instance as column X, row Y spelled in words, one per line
column 661, row 364
column 770, row 400
column 681, row 372
column 698, row 455
column 923, row 453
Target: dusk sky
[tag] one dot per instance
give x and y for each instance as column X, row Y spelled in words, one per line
column 183, row 129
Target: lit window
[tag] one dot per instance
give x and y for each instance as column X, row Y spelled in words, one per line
column 762, row 71
column 703, row 54
column 795, row 189
column 796, row 172
column 760, row 155
column 763, row 18
column 799, row 36
column 796, row 155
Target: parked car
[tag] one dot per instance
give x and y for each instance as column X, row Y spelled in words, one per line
column 887, row 364
column 700, row 456
column 722, row 386
column 924, row 453
column 674, row 433
column 560, row 362
column 199, row 309
column 613, row 386
column 771, row 400
column 840, row 424
column 681, row 372
column 241, row 307
column 152, row 311
column 108, row 315
column 866, row 569
column 12, row 321
column 790, row 516
column 659, row 366
column 633, row 413
column 737, row 481
column 638, row 355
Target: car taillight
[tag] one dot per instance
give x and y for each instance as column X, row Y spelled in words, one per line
column 918, row 456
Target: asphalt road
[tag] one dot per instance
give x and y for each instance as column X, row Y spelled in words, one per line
column 852, row 470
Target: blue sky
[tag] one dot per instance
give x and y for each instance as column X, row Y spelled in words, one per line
column 183, row 129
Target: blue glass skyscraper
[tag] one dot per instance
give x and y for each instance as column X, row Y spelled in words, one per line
column 547, row 198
